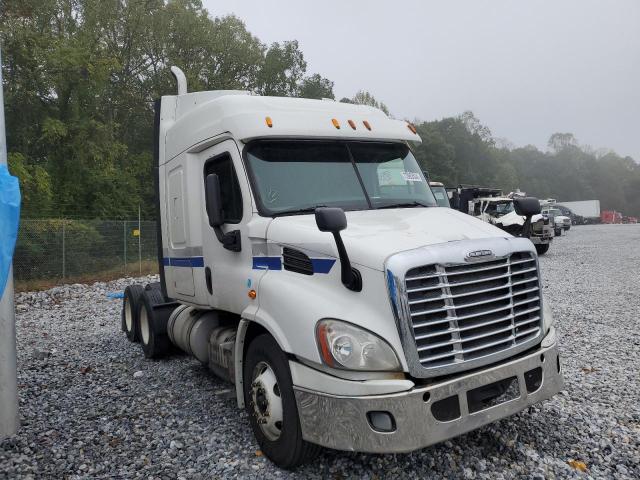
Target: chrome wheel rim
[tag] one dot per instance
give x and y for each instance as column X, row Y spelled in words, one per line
column 267, row 401
column 144, row 326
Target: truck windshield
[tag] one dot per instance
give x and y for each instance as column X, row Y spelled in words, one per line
column 440, row 193
column 296, row 176
column 496, row 209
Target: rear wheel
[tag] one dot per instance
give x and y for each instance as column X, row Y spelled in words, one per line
column 272, row 407
column 542, row 248
column 130, row 307
column 153, row 317
column 558, row 232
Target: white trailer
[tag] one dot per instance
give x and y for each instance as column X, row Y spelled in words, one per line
column 584, row 208
column 302, row 259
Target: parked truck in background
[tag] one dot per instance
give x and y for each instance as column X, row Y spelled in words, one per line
column 440, row 194
column 589, row 210
column 610, row 216
column 560, row 222
column 492, row 206
column 302, row 259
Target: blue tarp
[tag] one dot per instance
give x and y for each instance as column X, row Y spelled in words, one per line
column 9, row 219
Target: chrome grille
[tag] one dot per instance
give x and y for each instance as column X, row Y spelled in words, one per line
column 465, row 312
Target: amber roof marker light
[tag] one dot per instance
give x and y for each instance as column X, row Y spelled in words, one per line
column 367, row 125
column 335, row 123
column 412, row 127
column 269, row 122
column 352, row 124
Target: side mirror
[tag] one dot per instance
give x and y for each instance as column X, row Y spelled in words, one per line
column 334, row 220
column 526, row 206
column 331, row 219
column 213, row 204
column 213, row 200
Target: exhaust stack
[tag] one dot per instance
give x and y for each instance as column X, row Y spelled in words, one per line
column 181, row 79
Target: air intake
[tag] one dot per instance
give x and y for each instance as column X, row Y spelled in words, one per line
column 296, row 261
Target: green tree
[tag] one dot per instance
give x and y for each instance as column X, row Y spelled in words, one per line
column 80, row 78
column 316, row 87
column 282, row 70
column 362, row 97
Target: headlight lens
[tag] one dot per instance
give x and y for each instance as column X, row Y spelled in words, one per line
column 344, row 345
column 547, row 315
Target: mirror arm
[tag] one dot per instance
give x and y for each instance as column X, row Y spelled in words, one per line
column 230, row 240
column 350, row 277
column 526, row 227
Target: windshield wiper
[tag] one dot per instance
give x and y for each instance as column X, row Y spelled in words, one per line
column 403, row 205
column 298, row 211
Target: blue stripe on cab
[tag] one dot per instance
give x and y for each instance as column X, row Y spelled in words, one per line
column 267, row 263
column 191, row 262
column 322, row 265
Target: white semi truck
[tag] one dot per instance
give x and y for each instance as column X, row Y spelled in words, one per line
column 303, row 258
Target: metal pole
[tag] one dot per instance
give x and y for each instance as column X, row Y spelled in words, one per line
column 64, row 260
column 139, row 241
column 124, row 240
column 8, row 377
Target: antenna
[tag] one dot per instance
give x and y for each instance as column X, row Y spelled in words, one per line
column 181, row 79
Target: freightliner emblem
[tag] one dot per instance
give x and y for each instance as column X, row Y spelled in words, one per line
column 478, row 255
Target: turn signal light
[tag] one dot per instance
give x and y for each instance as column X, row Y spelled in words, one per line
column 352, row 124
column 252, row 294
column 325, row 349
column 335, row 123
column 366, row 124
column 269, row 122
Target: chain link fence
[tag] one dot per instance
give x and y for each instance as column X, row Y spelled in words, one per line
column 54, row 251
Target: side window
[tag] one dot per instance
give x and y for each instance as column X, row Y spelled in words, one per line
column 222, row 165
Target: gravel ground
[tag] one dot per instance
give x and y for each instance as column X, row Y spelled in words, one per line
column 93, row 407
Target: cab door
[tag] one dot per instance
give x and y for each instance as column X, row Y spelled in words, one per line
column 227, row 272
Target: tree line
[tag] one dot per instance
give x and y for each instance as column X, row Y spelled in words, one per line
column 80, row 78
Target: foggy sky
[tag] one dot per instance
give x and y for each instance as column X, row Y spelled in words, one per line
column 526, row 68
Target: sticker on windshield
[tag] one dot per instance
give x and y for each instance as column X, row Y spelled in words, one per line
column 411, row 176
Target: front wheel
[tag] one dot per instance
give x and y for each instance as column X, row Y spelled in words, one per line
column 542, row 248
column 271, row 405
column 558, row 232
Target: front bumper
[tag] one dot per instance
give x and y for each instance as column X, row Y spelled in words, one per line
column 342, row 422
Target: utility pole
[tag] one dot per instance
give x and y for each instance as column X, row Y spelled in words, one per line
column 139, row 241
column 8, row 377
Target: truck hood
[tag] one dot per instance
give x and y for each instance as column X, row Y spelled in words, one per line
column 511, row 218
column 372, row 236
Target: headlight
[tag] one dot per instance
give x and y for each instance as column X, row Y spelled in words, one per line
column 538, row 226
column 547, row 315
column 344, row 345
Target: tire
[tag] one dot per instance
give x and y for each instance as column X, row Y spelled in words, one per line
column 153, row 286
column 152, row 322
column 130, row 307
column 558, row 232
column 542, row 248
column 265, row 363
